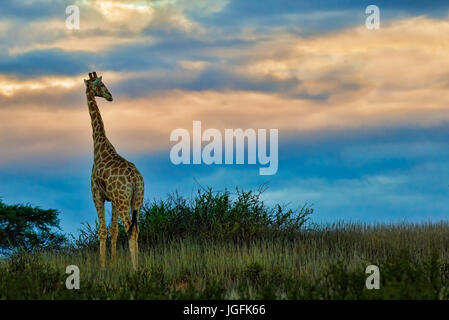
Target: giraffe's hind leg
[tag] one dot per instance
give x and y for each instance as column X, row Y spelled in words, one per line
column 102, row 231
column 114, row 233
column 132, row 236
column 133, row 248
column 136, row 206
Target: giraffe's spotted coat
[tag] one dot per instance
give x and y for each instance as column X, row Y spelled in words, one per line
column 113, row 179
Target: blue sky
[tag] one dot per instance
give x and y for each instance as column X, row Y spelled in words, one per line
column 362, row 114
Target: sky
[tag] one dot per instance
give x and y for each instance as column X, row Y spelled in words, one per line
column 362, row 113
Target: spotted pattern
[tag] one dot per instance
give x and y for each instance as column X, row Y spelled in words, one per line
column 113, row 179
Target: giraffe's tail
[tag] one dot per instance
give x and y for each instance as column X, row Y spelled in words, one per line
column 136, row 204
column 133, row 222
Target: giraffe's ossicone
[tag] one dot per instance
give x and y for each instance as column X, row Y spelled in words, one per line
column 113, row 179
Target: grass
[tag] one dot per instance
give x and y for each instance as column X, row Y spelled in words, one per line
column 328, row 263
column 223, row 246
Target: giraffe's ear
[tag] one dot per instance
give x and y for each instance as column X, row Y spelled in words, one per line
column 100, row 79
column 86, row 82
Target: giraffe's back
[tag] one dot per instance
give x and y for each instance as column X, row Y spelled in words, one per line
column 118, row 179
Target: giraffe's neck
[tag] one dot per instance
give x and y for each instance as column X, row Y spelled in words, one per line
column 101, row 143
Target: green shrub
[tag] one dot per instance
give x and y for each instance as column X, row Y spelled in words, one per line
column 209, row 216
column 23, row 227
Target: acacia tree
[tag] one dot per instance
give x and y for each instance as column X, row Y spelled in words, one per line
column 29, row 228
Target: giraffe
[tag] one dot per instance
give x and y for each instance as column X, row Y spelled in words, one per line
column 113, row 179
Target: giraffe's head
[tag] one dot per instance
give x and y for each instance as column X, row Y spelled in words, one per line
column 97, row 86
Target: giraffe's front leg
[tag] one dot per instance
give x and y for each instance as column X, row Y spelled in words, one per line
column 102, row 231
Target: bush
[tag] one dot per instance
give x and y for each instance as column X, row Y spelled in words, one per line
column 219, row 216
column 28, row 228
column 209, row 216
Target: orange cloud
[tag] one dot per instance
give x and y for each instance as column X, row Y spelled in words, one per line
column 144, row 125
column 390, row 77
column 403, row 55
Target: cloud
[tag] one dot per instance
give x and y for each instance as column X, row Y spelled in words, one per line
column 144, row 124
column 348, row 80
column 33, row 10
column 271, row 7
column 362, row 114
column 378, row 198
column 52, row 62
column 103, row 24
column 10, row 86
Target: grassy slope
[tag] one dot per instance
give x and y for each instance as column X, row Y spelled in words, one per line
column 326, row 263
